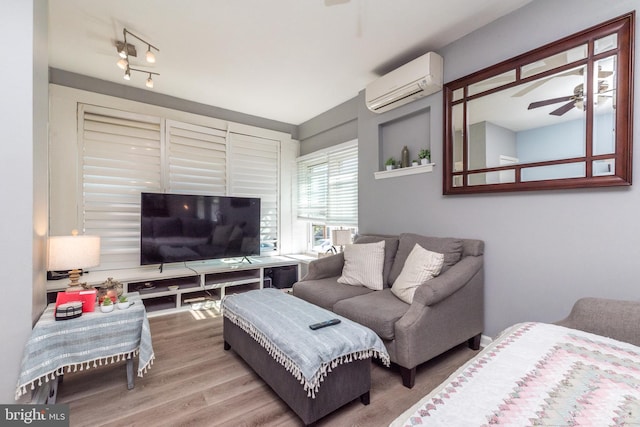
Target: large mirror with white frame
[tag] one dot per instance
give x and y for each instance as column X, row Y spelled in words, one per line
column 556, row 117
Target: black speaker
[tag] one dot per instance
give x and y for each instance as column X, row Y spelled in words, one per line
column 285, row 277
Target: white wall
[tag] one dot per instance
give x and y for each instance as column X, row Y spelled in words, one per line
column 544, row 249
column 23, row 153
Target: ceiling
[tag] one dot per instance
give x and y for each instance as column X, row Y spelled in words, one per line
column 285, row 60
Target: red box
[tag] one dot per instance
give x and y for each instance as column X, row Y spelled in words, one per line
column 88, row 298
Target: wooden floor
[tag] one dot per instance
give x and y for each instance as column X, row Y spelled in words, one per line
column 194, row 382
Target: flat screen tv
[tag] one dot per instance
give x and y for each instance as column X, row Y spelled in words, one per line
column 182, row 227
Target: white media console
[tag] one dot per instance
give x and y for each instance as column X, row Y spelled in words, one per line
column 195, row 281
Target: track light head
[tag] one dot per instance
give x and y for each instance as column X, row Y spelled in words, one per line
column 123, row 63
column 151, row 57
column 127, row 74
column 149, row 82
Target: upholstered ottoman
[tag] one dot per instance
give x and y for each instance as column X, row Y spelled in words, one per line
column 314, row 371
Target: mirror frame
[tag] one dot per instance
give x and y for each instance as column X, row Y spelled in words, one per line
column 623, row 26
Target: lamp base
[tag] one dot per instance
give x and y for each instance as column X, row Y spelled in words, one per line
column 74, row 285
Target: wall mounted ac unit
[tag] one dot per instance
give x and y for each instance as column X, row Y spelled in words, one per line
column 414, row 80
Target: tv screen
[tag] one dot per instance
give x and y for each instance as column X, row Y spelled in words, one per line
column 181, row 227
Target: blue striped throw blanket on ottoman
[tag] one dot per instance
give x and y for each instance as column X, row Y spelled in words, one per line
column 280, row 324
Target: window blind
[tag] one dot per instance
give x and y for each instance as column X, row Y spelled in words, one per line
column 120, row 158
column 253, row 172
column 124, row 154
column 196, row 159
column 328, row 185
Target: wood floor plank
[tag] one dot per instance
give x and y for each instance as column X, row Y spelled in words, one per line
column 195, row 382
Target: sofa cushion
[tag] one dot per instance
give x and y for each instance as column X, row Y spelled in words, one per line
column 390, row 249
column 420, row 266
column 378, row 310
column 326, row 292
column 363, row 265
column 451, row 249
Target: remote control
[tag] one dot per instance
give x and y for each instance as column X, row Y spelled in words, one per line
column 325, row 323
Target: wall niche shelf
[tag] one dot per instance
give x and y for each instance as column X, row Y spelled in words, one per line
column 411, row 170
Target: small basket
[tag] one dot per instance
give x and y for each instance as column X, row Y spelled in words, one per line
column 68, row 310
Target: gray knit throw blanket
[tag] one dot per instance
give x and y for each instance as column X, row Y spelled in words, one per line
column 280, row 324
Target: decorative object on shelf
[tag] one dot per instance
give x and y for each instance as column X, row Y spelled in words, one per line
column 405, row 158
column 390, row 163
column 340, row 238
column 73, row 253
column 173, row 287
column 123, row 303
column 113, row 287
column 106, row 306
column 414, row 163
column 127, row 50
column 425, row 156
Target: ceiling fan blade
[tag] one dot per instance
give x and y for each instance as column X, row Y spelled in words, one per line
column 536, row 84
column 562, row 110
column 549, row 102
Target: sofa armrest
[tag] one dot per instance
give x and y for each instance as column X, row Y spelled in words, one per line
column 322, row 268
column 606, row 317
column 443, row 286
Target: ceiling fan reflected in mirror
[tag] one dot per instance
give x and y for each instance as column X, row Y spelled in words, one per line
column 574, row 101
column 602, row 74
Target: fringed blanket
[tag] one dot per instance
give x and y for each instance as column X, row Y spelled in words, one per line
column 537, row 374
column 93, row 339
column 280, row 324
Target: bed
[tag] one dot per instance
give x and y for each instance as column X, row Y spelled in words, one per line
column 583, row 370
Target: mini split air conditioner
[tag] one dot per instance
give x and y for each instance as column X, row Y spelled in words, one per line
column 414, row 80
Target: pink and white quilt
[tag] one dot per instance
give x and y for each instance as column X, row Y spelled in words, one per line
column 537, row 374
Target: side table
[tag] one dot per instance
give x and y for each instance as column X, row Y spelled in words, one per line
column 91, row 340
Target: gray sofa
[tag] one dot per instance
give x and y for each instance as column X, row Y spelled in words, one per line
column 446, row 310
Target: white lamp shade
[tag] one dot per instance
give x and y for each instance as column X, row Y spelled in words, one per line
column 73, row 252
column 340, row 237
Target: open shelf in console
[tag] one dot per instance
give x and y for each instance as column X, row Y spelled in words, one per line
column 160, row 303
column 162, row 285
column 231, row 278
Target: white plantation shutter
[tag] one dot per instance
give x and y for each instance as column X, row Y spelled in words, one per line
column 120, row 158
column 196, row 159
column 123, row 154
column 328, row 185
column 253, row 172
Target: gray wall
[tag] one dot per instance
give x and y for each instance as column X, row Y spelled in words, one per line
column 23, row 170
column 79, row 81
column 544, row 249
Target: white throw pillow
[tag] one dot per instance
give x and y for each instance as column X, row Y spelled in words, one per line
column 363, row 265
column 421, row 265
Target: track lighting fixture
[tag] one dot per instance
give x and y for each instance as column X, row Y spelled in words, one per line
column 127, row 50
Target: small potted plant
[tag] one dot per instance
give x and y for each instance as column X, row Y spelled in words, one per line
column 425, row 156
column 107, row 305
column 123, row 302
column 414, row 163
column 390, row 163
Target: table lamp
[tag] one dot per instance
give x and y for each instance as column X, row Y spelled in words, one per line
column 73, row 253
column 340, row 238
